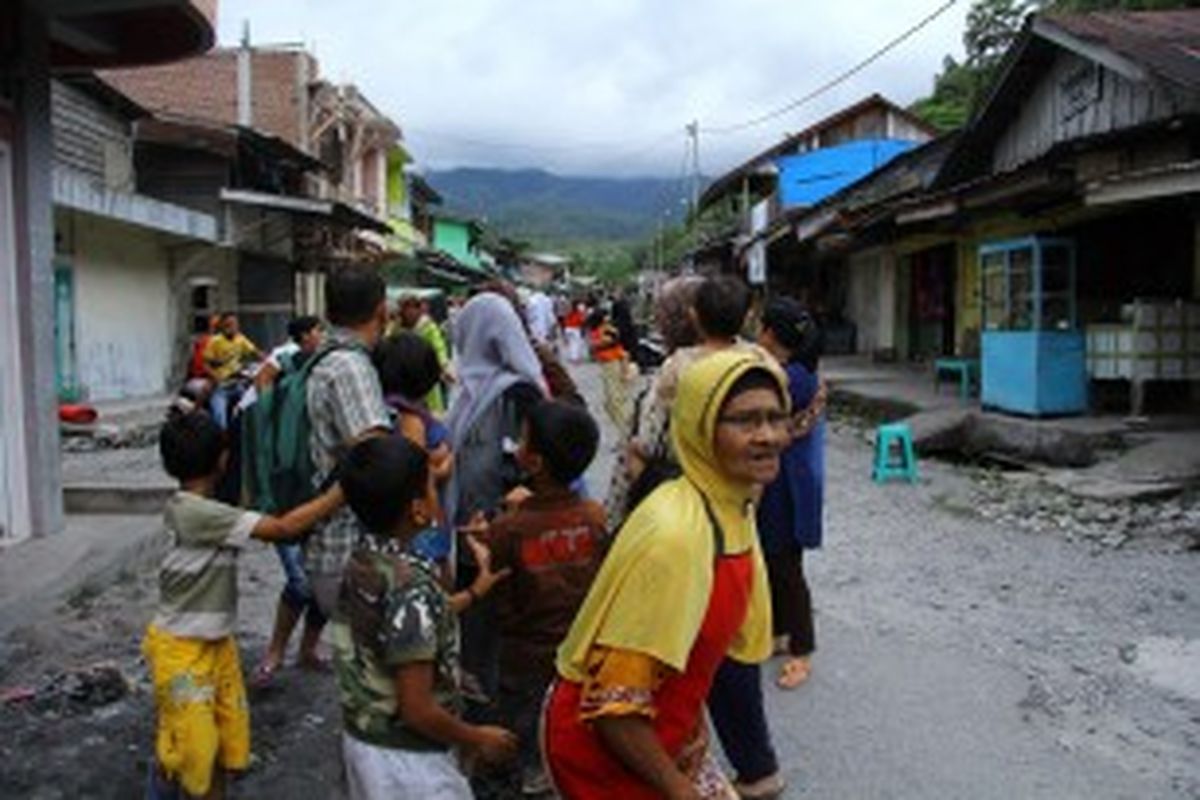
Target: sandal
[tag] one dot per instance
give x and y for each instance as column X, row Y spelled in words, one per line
column 762, row 789
column 263, row 675
column 794, row 672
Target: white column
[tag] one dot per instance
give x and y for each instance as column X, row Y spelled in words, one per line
column 36, row 419
column 887, row 299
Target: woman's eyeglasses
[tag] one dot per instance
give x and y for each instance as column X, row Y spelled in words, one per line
column 751, row 421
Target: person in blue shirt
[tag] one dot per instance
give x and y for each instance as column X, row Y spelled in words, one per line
column 789, row 522
column 409, row 367
column 791, row 511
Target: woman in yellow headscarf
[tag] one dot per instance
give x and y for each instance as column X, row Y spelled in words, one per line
column 683, row 587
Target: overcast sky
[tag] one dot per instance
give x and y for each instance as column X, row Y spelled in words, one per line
column 602, row 86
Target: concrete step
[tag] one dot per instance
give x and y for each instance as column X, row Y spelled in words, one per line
column 98, row 498
column 39, row 575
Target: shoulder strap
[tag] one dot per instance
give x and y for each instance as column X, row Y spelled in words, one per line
column 308, row 366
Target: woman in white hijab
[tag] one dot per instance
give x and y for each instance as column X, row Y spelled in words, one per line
column 499, row 379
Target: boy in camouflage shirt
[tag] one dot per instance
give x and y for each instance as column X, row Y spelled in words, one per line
column 395, row 638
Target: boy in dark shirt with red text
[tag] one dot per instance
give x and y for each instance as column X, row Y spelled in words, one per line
column 553, row 543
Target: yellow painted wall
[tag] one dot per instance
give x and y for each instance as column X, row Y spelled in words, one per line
column 968, row 316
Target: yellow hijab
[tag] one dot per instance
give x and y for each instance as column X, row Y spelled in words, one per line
column 652, row 592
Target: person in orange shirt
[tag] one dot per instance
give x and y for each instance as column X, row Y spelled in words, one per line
column 196, row 367
column 572, row 326
column 613, row 359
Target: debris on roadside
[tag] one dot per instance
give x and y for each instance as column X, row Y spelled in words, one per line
column 71, row 691
column 1027, row 501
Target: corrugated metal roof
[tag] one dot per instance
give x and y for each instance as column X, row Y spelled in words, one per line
column 1165, row 43
column 790, row 143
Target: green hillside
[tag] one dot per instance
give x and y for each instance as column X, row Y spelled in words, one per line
column 548, row 209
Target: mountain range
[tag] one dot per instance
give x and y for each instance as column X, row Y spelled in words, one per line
column 548, row 209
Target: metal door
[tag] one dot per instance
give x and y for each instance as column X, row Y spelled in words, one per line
column 64, row 333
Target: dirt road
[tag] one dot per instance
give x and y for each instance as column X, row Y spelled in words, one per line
column 959, row 657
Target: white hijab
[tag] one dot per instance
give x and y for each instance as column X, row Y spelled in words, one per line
column 492, row 353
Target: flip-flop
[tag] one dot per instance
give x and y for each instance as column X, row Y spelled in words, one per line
column 794, row 672
column 263, row 676
column 762, row 789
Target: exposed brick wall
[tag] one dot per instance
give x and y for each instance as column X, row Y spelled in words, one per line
column 206, row 88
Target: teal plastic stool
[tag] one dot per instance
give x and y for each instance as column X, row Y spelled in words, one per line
column 896, row 433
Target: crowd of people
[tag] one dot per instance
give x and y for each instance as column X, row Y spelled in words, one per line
column 498, row 627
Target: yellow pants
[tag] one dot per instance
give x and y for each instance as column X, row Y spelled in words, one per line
column 203, row 719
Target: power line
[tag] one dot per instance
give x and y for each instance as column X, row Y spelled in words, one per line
column 532, row 147
column 692, row 130
column 836, row 81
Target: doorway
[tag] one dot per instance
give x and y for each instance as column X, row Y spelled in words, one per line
column 931, row 313
column 66, row 375
column 266, row 299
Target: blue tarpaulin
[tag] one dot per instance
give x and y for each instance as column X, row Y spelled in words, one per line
column 808, row 178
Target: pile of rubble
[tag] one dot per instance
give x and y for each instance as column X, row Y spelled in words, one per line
column 1028, row 501
column 91, row 438
column 70, row 692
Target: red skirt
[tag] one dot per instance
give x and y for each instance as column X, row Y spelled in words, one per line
column 582, row 767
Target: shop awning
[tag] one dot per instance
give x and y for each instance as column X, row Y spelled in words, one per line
column 341, row 213
column 97, row 34
column 1174, row 180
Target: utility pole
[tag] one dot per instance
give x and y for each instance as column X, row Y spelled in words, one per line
column 659, row 245
column 693, row 132
column 245, row 81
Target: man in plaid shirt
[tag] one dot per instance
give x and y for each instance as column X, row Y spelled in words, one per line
column 345, row 406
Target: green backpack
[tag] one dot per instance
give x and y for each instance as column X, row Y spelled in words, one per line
column 278, row 472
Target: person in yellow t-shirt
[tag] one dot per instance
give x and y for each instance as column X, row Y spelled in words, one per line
column 226, row 353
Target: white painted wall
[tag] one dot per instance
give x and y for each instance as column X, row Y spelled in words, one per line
column 887, row 300
column 123, row 321
column 871, row 299
column 862, row 299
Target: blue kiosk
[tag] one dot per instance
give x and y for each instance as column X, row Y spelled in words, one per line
column 1032, row 349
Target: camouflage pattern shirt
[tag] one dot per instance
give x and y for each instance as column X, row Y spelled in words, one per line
column 391, row 612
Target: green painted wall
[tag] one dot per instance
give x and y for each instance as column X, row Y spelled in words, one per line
column 454, row 237
column 397, row 186
column 405, row 237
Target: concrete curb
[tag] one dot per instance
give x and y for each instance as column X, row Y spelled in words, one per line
column 39, row 575
column 82, row 498
column 970, row 432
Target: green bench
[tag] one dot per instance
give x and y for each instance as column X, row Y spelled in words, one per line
column 966, row 370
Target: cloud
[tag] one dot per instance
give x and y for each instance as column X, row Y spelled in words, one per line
column 601, row 86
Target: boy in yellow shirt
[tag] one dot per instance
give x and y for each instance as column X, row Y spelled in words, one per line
column 226, row 353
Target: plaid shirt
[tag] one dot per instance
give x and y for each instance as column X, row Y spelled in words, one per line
column 345, row 402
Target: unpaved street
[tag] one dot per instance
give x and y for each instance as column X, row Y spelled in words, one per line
column 957, row 658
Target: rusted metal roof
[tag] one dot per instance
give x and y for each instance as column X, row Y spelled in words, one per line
column 1157, row 46
column 1164, row 43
